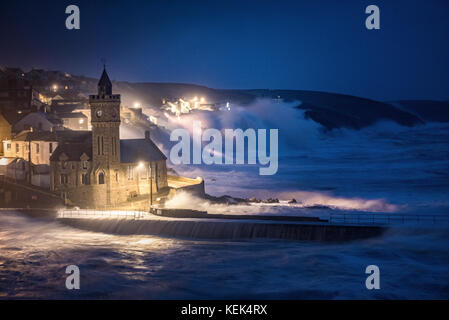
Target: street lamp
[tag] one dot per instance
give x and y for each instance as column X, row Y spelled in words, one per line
column 150, row 179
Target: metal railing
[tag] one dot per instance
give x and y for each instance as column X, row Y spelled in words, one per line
column 387, row 219
column 334, row 218
column 87, row 213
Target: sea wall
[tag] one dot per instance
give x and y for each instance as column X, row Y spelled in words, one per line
column 226, row 230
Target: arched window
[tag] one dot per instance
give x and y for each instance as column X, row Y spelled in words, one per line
column 101, row 178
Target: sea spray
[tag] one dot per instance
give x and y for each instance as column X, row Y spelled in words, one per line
column 306, row 203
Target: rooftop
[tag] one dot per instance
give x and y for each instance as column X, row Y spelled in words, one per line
column 36, row 136
column 135, row 150
column 104, row 85
column 73, row 151
column 131, row 151
column 72, row 115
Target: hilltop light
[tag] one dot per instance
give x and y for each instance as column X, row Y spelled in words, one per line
column 153, row 119
column 136, row 104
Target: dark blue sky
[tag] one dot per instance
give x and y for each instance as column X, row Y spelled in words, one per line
column 313, row 45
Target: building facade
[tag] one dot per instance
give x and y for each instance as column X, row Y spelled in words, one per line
column 106, row 171
column 34, row 146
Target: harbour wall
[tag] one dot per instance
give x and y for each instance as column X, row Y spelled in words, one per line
column 226, row 230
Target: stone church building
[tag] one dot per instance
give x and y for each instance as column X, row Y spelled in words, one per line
column 97, row 169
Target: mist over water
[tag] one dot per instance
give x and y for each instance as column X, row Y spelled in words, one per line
column 385, row 167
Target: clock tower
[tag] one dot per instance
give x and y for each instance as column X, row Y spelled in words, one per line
column 105, row 120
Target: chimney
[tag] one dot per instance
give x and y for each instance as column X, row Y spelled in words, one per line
column 147, row 134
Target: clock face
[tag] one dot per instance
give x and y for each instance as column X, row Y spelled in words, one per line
column 99, row 113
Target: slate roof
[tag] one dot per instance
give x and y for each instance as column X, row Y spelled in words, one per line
column 75, row 136
column 36, row 136
column 131, row 151
column 72, row 115
column 9, row 117
column 48, row 116
column 135, row 150
column 74, row 151
column 104, row 85
column 61, row 109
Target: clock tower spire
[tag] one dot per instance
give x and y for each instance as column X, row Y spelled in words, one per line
column 105, row 120
column 104, row 85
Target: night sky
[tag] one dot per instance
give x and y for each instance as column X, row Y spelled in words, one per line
column 311, row 45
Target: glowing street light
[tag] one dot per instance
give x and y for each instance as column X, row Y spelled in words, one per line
column 136, row 104
column 141, row 165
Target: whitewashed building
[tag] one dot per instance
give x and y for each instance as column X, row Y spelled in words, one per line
column 31, row 145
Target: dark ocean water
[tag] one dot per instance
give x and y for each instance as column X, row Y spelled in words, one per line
column 34, row 254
